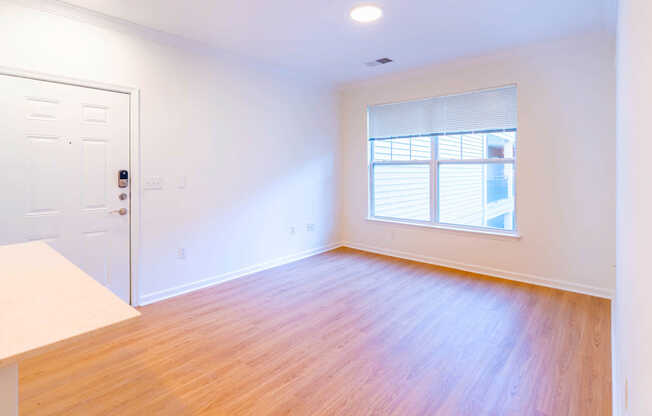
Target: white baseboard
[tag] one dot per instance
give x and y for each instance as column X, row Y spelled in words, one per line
column 215, row 280
column 488, row 271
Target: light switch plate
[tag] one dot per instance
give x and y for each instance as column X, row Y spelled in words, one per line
column 153, row 182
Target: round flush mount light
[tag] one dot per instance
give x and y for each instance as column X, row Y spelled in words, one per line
column 367, row 13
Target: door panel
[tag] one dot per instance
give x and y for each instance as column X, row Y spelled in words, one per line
column 62, row 149
column 42, row 156
column 94, row 158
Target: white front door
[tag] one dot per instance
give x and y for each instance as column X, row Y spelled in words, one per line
column 62, row 147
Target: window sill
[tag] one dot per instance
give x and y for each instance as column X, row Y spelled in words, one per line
column 490, row 233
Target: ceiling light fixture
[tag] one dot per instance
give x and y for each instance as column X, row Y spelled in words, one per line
column 366, row 14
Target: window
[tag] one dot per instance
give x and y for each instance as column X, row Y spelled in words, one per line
column 445, row 161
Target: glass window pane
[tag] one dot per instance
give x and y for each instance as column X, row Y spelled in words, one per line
column 449, row 147
column 473, row 146
column 501, row 145
column 417, row 148
column 479, row 195
column 477, row 146
column 400, row 149
column 382, row 149
column 421, row 148
column 402, row 191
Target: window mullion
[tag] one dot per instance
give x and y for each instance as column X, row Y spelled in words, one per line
column 371, row 207
column 434, row 154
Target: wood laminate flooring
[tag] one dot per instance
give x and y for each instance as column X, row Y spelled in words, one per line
column 341, row 333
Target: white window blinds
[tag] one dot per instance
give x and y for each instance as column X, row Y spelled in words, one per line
column 475, row 112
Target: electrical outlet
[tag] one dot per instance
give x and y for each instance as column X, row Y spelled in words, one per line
column 310, row 227
column 181, row 253
column 153, row 182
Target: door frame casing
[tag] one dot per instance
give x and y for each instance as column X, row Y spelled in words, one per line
column 134, row 159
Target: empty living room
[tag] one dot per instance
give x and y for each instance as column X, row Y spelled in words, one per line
column 306, row 207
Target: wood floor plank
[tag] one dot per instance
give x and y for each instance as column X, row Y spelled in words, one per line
column 342, row 333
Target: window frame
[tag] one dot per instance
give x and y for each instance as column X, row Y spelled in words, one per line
column 435, row 163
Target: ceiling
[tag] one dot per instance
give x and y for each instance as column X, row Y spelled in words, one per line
column 318, row 37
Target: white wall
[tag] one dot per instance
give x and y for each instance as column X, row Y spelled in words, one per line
column 633, row 358
column 259, row 147
column 565, row 174
column 257, row 144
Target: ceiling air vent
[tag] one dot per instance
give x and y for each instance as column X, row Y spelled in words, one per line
column 381, row 61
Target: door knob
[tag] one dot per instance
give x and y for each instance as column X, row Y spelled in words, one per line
column 121, row 211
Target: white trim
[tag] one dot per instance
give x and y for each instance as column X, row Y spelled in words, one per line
column 488, row 271
column 105, row 21
column 616, row 385
column 135, row 200
column 134, row 154
column 225, row 277
column 439, row 226
column 60, row 79
column 401, row 162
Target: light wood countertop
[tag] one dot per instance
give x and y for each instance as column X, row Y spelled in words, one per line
column 45, row 300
